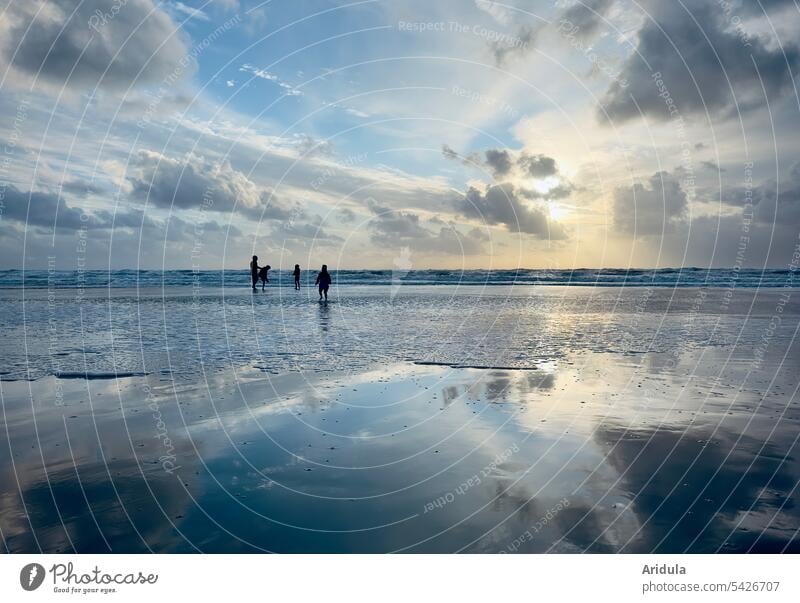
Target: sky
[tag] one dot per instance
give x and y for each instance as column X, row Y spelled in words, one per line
column 377, row 134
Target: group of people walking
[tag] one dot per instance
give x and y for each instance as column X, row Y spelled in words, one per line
column 262, row 273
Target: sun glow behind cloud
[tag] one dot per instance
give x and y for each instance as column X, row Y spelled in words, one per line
column 558, row 211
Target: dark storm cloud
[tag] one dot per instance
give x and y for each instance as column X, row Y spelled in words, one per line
column 194, row 182
column 650, row 209
column 693, row 57
column 501, row 204
column 68, row 43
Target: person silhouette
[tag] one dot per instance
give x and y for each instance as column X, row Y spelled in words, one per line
column 297, row 277
column 263, row 274
column 254, row 271
column 324, row 281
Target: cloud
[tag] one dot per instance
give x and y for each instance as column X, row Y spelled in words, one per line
column 650, row 209
column 194, row 182
column 289, row 90
column 499, row 161
column 347, row 215
column 777, row 201
column 81, row 188
column 697, row 61
column 517, row 44
column 501, row 204
column 712, row 166
column 472, row 160
column 40, row 209
column 538, row 166
column 503, row 162
column 449, row 152
column 560, row 191
column 231, row 5
column 356, row 113
column 48, row 211
column 117, row 241
column 308, row 146
column 188, row 11
column 401, row 229
column 774, row 200
column 587, row 16
column 313, row 231
column 498, row 12
column 138, row 44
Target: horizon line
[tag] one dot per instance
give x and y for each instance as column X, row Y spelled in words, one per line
column 246, row 269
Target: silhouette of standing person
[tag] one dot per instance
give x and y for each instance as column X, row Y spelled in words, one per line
column 324, row 281
column 254, row 271
column 263, row 274
column 297, row 277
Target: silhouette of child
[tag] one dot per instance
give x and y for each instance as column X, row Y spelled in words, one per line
column 263, row 274
column 324, row 281
column 297, row 276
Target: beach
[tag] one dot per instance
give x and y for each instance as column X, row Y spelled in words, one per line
column 414, row 418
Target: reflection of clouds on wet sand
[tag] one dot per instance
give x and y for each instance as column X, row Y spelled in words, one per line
column 342, row 462
column 690, row 492
column 80, row 510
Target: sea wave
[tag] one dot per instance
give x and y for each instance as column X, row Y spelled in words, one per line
column 663, row 277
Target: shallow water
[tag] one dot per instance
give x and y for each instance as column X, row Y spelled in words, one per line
column 627, row 426
column 186, row 333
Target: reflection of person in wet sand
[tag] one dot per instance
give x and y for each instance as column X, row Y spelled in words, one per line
column 324, row 281
column 263, row 274
column 324, row 317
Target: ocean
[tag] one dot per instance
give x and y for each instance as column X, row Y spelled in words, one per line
column 609, row 277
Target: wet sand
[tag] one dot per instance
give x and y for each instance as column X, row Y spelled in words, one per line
column 594, row 455
column 659, row 447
